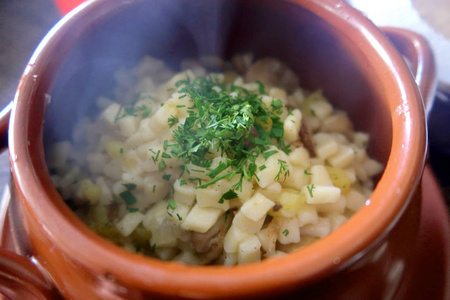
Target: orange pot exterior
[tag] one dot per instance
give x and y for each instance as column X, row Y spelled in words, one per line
column 330, row 45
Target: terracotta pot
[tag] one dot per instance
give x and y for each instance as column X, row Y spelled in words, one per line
column 328, row 43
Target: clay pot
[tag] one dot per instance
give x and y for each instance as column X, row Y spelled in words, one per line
column 329, row 44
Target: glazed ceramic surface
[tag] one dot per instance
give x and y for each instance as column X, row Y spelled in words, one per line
column 328, row 44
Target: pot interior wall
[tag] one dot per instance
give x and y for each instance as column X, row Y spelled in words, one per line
column 103, row 41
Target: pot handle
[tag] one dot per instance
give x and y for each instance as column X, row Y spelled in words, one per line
column 419, row 57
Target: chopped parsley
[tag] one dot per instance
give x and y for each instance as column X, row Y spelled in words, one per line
column 310, row 190
column 286, row 232
column 228, row 196
column 133, row 111
column 130, row 186
column 239, row 126
column 128, row 197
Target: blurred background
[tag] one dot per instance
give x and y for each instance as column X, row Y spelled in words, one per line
column 23, row 23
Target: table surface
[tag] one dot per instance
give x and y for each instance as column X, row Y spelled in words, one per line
column 24, row 23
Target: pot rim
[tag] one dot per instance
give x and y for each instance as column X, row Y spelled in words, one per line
column 337, row 250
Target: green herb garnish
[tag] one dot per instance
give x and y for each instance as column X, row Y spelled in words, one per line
column 128, row 197
column 130, row 186
column 239, row 126
column 310, row 190
column 228, row 196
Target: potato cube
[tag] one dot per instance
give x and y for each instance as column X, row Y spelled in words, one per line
column 129, row 222
column 243, row 222
column 321, row 229
column 355, row 200
column 299, row 157
column 307, row 215
column 233, row 238
column 201, row 219
column 257, row 207
column 297, row 178
column 109, row 115
column 321, row 194
column 288, row 230
column 336, row 207
column 342, row 158
column 292, row 125
column 211, row 197
column 287, row 204
column 325, row 145
column 268, row 238
column 249, row 250
column 128, row 125
column 320, row 176
column 184, row 192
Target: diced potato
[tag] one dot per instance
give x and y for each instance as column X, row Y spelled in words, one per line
column 342, row 158
column 309, row 100
column 243, row 222
column 299, row 157
column 292, row 125
column 230, row 259
column 155, row 187
column 338, row 122
column 267, row 175
column 319, row 176
column 90, row 191
column 372, row 167
column 288, row 204
column 340, row 179
column 128, row 125
column 163, row 114
column 179, row 213
column 201, row 219
column 318, row 194
column 233, row 238
column 361, row 139
column 307, row 215
column 247, row 188
column 288, row 230
column 164, row 232
column 115, row 148
column 188, row 258
column 272, row 191
column 166, row 253
column 355, row 200
column 336, row 207
column 297, row 178
column 321, row 229
column 325, row 145
column 278, row 93
column 268, row 238
column 249, row 250
column 180, row 76
column 257, row 207
column 129, row 222
column 337, row 220
column 211, row 197
column 184, row 192
column 109, row 115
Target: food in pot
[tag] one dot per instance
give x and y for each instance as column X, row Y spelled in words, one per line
column 214, row 168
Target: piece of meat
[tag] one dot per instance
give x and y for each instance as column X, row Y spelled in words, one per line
column 306, row 139
column 272, row 72
column 210, row 243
